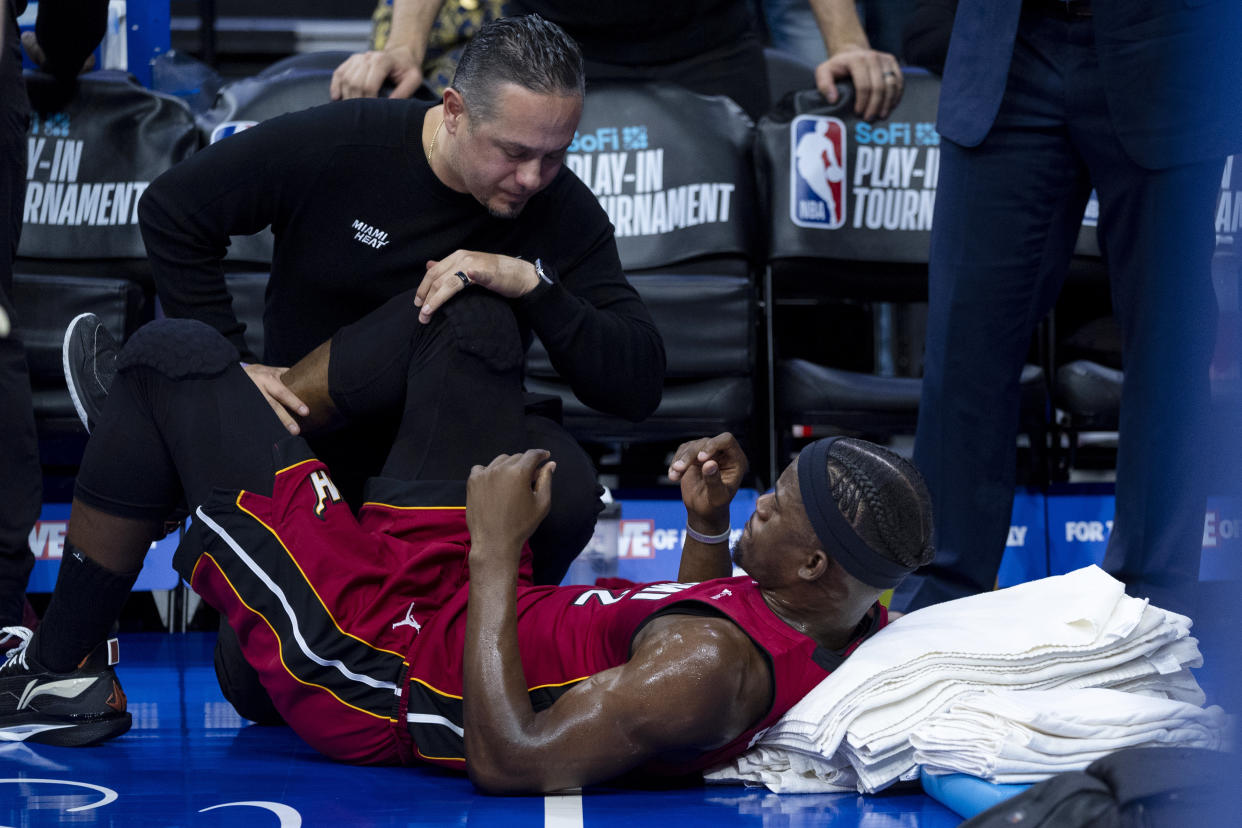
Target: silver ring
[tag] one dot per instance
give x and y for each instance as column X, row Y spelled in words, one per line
column 890, row 76
column 465, row 280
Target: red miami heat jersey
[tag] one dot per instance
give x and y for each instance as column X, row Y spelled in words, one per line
column 566, row 634
column 356, row 626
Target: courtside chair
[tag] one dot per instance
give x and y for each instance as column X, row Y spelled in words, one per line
column 674, row 171
column 786, row 73
column 849, row 207
column 91, row 158
column 1087, row 390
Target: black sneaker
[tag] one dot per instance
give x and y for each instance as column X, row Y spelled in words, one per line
column 81, row 707
column 89, row 360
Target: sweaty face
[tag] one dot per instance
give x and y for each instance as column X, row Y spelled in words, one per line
column 509, row 157
column 777, row 530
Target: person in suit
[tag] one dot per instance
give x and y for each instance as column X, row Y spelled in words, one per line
column 1043, row 100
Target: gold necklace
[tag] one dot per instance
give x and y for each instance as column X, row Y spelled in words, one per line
column 434, row 135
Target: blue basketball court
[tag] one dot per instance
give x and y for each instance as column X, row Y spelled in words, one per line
column 191, row 761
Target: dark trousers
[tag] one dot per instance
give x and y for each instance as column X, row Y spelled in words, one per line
column 1007, row 216
column 21, row 480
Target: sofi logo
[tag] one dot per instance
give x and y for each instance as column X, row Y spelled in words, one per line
column 817, row 172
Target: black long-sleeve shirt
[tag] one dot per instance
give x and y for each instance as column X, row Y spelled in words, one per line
column 645, row 32
column 67, row 31
column 357, row 212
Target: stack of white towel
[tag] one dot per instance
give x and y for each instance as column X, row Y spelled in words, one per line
column 1007, row 685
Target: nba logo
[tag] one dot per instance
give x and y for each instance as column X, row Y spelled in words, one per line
column 227, row 128
column 817, row 172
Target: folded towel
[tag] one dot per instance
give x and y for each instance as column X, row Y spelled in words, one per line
column 1074, row 631
column 1002, row 736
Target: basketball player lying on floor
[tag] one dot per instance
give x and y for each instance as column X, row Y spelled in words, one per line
column 411, row 632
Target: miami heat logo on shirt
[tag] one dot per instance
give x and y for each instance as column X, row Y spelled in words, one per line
column 817, row 172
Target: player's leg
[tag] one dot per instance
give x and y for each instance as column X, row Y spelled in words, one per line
column 180, row 416
column 478, row 410
column 457, row 383
column 576, row 501
column 456, row 380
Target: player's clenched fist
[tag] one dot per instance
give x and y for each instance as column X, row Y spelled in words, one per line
column 507, row 499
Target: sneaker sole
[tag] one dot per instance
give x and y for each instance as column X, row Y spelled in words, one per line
column 69, row 734
column 64, row 364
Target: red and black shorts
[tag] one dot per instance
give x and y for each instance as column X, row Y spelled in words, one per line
column 325, row 605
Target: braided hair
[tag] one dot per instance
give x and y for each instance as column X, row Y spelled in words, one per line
column 884, row 498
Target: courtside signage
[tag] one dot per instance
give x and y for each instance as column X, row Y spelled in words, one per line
column 817, row 172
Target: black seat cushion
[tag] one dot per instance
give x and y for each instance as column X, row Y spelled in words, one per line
column 817, row 394
column 1090, row 393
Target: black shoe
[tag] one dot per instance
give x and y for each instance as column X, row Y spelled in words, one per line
column 82, row 707
column 89, row 360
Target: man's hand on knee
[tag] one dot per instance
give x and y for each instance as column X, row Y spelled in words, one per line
column 282, row 400
column 508, row 276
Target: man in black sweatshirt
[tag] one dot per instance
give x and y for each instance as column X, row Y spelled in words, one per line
column 370, row 198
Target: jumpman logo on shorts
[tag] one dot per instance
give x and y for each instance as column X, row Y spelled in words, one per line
column 409, row 621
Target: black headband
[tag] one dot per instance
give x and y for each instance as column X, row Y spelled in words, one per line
column 836, row 536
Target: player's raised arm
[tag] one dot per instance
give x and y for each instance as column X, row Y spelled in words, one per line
column 709, row 471
column 690, row 690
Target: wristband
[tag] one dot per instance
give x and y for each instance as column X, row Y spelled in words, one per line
column 723, row 537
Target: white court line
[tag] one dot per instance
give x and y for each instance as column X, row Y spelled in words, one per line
column 562, row 810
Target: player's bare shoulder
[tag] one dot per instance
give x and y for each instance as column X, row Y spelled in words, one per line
column 711, row 664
